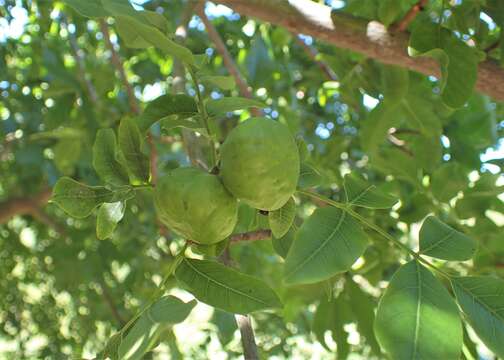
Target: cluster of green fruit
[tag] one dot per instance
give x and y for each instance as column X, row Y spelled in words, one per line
column 259, row 165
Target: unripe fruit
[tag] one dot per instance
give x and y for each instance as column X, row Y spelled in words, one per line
column 260, row 163
column 196, row 205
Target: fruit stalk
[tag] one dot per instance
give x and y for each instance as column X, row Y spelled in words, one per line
column 204, row 116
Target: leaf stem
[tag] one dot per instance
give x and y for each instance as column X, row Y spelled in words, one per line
column 376, row 228
column 176, row 261
column 204, row 116
column 146, row 186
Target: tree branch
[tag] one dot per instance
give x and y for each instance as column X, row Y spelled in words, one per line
column 344, row 31
column 410, row 16
column 247, row 336
column 109, row 299
column 312, row 53
column 23, row 206
column 229, row 63
column 118, row 64
column 244, row 323
column 223, row 51
column 79, row 59
column 251, row 236
column 189, row 140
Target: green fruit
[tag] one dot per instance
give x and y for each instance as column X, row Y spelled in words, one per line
column 196, row 205
column 260, row 163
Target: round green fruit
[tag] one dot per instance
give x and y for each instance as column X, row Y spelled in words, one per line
column 260, row 163
column 196, row 205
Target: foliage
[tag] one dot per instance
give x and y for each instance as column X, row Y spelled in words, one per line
column 391, row 242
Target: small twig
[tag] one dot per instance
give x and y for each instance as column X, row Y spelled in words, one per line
column 42, row 217
column 118, row 64
column 189, row 139
column 494, row 46
column 153, row 158
column 403, row 24
column 79, row 59
column 398, row 131
column 399, row 144
column 204, row 116
column 223, row 51
column 227, row 59
column 313, row 53
column 110, row 302
column 251, row 236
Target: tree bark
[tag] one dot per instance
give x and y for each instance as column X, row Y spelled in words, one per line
column 368, row 38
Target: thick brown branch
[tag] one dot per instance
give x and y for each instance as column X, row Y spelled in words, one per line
column 23, row 206
column 371, row 39
column 252, row 236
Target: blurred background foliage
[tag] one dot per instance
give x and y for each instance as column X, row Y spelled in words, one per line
column 64, row 292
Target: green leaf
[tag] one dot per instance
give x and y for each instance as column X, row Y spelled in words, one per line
column 332, row 315
column 458, row 61
column 482, row 301
column 77, row 199
column 309, row 176
column 140, row 29
column 65, row 133
column 282, row 244
column 323, row 320
column 105, row 161
column 130, row 143
column 328, row 243
column 89, row 8
column 443, row 242
column 226, row 325
column 144, row 334
column 112, row 347
column 376, row 126
column 179, row 106
column 359, row 192
column 223, row 82
column 281, row 220
column 228, row 104
column 341, row 317
column 388, row 11
column 394, row 162
column 395, row 82
column 109, row 216
column 303, row 149
column 447, row 180
column 67, row 153
column 174, row 122
column 363, row 309
column 170, row 310
column 417, row 318
column 225, row 288
column 157, row 39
